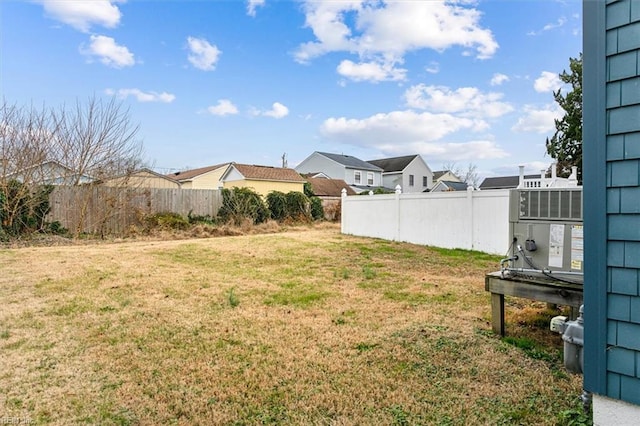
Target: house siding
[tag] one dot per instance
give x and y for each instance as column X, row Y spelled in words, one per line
column 418, row 169
column 143, row 180
column 264, row 187
column 209, row 180
column 391, row 180
column 612, row 191
column 317, row 162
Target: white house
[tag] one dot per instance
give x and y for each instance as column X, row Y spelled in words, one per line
column 359, row 174
column 409, row 171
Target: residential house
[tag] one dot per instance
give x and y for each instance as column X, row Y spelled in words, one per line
column 611, row 184
column 447, row 175
column 530, row 181
column 143, row 178
column 359, row 174
column 410, row 172
column 262, row 179
column 447, row 186
column 202, row 178
column 330, row 193
column 50, row 173
column 503, row 182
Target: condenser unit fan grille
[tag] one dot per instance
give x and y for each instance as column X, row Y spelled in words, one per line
column 551, row 204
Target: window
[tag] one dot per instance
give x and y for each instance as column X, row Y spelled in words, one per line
column 370, row 178
column 425, row 181
column 410, row 180
column 357, row 177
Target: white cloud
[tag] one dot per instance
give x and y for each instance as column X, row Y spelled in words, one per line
column 537, row 120
column 223, row 107
column 82, row 14
column 383, row 32
column 466, row 101
column 371, row 71
column 547, row 82
column 498, row 79
column 141, row 96
column 252, row 5
column 109, row 52
column 451, row 151
column 548, row 27
column 202, row 54
column 277, row 111
column 433, row 68
column 400, row 127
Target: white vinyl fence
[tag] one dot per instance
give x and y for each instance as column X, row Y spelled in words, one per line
column 473, row 220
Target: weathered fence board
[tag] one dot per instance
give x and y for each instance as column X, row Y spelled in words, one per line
column 109, row 210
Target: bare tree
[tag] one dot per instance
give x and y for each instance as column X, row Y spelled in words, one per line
column 84, row 145
column 468, row 176
column 25, row 135
column 97, row 140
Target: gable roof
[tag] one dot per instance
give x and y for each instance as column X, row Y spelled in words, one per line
column 50, row 172
column 439, row 173
column 255, row 172
column 452, row 185
column 394, row 164
column 185, row 175
column 323, row 187
column 504, row 182
column 143, row 170
column 350, row 162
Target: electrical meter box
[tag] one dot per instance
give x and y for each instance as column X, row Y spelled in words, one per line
column 546, row 232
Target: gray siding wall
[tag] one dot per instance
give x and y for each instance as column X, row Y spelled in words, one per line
column 612, row 293
column 319, row 163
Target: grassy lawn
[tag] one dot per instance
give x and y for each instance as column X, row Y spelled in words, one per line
column 306, row 326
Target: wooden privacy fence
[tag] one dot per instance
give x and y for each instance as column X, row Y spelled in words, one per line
column 112, row 210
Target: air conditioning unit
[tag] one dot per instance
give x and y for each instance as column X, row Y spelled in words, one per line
column 546, row 234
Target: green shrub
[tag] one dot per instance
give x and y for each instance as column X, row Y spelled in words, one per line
column 23, row 208
column 317, row 211
column 277, row 202
column 239, row 204
column 196, row 219
column 308, row 190
column 167, row 220
column 298, row 206
column 56, row 228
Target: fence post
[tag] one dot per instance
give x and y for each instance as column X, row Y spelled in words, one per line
column 398, row 192
column 470, row 210
column 343, row 199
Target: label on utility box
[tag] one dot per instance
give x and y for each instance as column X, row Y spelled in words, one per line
column 577, row 247
column 556, row 245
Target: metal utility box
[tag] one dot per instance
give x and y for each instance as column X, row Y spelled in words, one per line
column 546, row 232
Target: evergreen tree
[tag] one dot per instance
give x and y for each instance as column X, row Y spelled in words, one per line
column 566, row 144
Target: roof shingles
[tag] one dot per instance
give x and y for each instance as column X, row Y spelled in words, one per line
column 268, row 173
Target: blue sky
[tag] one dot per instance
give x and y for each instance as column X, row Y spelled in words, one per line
column 459, row 82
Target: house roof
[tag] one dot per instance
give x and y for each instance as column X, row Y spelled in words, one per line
column 439, row 173
column 454, row 186
column 504, row 182
column 156, row 174
column 323, row 187
column 351, row 162
column 190, row 174
column 267, row 173
column 394, row 164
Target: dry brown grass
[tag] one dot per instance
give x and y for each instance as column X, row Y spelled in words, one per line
column 301, row 327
